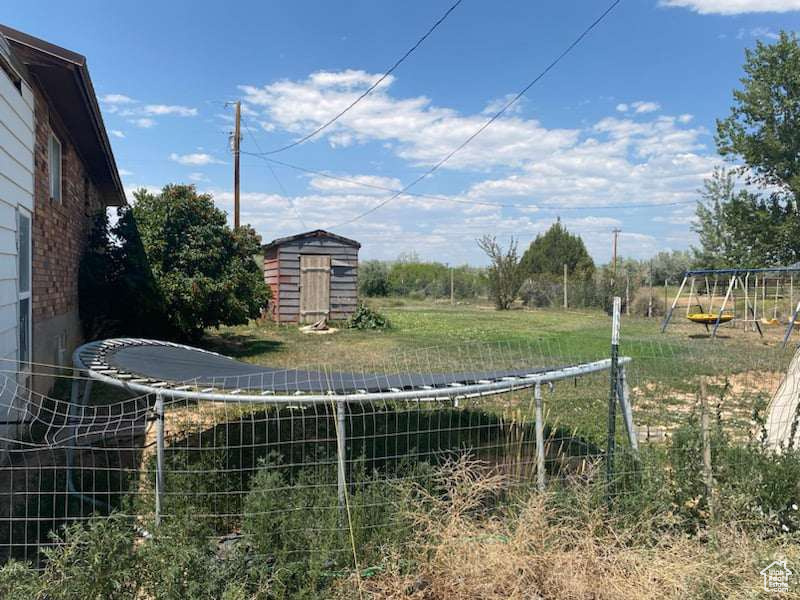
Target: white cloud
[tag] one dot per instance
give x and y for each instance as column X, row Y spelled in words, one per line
column 639, row 107
column 198, row 177
column 195, row 159
column 734, row 7
column 124, row 172
column 143, row 122
column 117, row 99
column 356, row 183
column 645, row 107
column 117, row 133
column 414, row 128
column 758, row 32
column 169, row 109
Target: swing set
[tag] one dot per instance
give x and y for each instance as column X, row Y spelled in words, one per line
column 756, row 290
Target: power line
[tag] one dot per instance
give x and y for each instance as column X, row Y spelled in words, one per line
column 358, row 183
column 369, row 90
column 494, row 117
column 275, row 176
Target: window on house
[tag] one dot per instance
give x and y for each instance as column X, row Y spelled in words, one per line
column 24, row 287
column 54, row 154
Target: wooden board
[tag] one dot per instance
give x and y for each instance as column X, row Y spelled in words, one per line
column 315, row 287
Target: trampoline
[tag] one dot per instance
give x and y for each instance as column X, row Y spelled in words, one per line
column 173, row 370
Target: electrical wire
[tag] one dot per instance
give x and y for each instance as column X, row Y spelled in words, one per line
column 292, row 205
column 370, row 89
column 358, row 183
column 491, row 120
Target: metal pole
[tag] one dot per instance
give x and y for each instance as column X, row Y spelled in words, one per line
column 565, row 286
column 674, row 302
column 691, row 295
column 612, row 398
column 340, row 453
column 540, row 473
column 790, row 325
column 452, row 292
column 627, row 411
column 159, row 413
column 722, row 307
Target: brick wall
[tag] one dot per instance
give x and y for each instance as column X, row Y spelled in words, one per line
column 60, row 229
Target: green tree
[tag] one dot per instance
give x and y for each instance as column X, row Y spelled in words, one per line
column 550, row 251
column 763, row 128
column 737, row 228
column 504, row 273
column 204, row 270
column 373, row 278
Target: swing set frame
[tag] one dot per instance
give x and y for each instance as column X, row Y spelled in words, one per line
column 742, row 278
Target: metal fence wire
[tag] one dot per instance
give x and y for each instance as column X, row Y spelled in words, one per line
column 682, row 424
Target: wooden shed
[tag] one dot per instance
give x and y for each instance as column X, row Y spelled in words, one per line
column 312, row 275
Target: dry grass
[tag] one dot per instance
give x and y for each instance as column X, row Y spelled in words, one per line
column 538, row 550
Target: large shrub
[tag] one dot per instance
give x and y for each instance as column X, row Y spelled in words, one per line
column 170, row 267
column 373, row 278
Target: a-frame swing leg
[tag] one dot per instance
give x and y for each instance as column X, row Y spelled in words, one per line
column 722, row 308
column 790, row 325
column 674, row 304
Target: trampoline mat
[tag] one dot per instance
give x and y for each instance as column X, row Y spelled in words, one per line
column 187, row 365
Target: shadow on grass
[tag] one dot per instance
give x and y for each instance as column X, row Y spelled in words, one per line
column 240, row 346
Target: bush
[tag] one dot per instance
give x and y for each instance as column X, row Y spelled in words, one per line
column 539, row 292
column 366, row 318
column 169, row 268
column 641, row 303
column 373, row 278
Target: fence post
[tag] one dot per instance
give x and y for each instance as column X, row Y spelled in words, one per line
column 708, row 475
column 627, row 412
column 340, row 452
column 540, row 474
column 612, row 398
column 159, row 410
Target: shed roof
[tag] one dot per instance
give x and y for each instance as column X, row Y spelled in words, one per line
column 316, row 233
column 64, row 78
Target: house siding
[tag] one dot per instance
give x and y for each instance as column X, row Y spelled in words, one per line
column 60, row 233
column 16, row 192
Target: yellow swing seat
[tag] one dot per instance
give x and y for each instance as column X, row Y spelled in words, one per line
column 709, row 318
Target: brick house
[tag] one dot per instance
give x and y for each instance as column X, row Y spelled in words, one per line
column 54, row 147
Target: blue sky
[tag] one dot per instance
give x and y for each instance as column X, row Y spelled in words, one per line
column 626, row 119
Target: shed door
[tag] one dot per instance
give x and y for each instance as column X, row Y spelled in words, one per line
column 315, row 287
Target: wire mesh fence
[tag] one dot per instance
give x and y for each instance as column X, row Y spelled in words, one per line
column 713, row 428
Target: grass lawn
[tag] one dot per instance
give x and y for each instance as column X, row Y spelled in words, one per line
column 429, row 336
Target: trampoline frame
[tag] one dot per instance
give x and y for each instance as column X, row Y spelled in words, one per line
column 90, row 360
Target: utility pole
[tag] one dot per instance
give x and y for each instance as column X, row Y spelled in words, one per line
column 616, row 233
column 237, row 136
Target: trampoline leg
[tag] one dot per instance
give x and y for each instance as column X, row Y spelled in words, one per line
column 159, row 410
column 340, row 453
column 625, row 404
column 540, row 473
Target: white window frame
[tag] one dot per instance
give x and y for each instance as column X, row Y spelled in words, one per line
column 24, row 367
column 55, row 191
